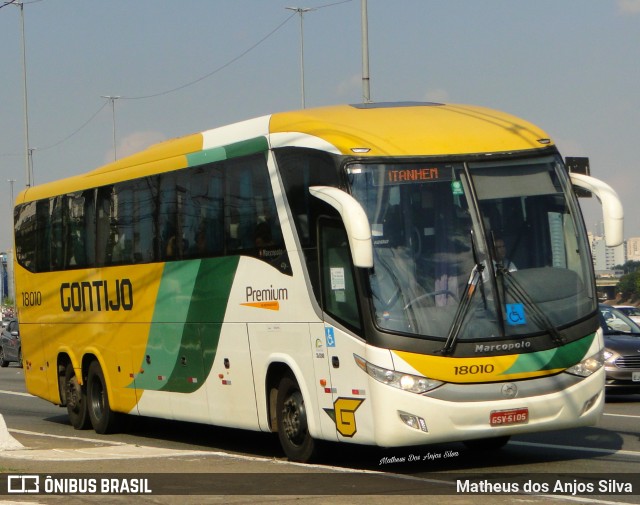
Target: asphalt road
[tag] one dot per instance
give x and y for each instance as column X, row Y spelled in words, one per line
column 235, row 466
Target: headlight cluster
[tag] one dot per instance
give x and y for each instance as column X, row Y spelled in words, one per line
column 407, row 382
column 588, row 365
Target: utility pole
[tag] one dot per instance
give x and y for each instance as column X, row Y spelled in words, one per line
column 11, row 287
column 113, row 116
column 27, row 162
column 301, row 11
column 366, row 91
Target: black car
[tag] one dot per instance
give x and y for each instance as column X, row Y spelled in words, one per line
column 622, row 351
column 10, row 345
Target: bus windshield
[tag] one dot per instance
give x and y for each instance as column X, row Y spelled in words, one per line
column 474, row 250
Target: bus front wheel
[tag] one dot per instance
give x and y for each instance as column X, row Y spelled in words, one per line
column 76, row 400
column 293, row 430
column 103, row 419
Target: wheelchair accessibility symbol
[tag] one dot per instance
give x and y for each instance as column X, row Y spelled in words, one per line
column 330, row 337
column 515, row 314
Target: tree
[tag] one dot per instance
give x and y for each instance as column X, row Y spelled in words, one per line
column 629, row 285
column 629, row 267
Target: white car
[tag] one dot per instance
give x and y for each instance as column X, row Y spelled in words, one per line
column 630, row 311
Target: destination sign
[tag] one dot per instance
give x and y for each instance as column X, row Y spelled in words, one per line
column 405, row 173
column 401, row 175
column 414, row 174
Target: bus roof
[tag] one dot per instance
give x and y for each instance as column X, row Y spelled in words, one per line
column 373, row 129
column 413, row 129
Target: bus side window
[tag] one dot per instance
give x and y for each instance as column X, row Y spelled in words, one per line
column 43, row 236
column 76, row 234
column 29, row 231
column 144, row 227
column 252, row 223
column 87, row 226
column 103, row 206
column 299, row 169
column 338, row 286
column 204, row 219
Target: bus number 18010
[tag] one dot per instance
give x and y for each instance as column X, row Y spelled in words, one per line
column 31, row 298
column 473, row 369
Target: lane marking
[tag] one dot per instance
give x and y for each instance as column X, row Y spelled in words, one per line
column 17, row 393
column 621, row 415
column 126, row 451
column 635, row 454
column 82, row 439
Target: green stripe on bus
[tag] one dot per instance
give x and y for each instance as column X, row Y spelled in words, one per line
column 235, row 150
column 169, row 317
column 246, row 147
column 206, row 156
column 560, row 357
column 187, row 320
column 201, row 332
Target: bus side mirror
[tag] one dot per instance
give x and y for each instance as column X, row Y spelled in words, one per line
column 355, row 222
column 612, row 212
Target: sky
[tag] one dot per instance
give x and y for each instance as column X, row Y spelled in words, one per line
column 570, row 66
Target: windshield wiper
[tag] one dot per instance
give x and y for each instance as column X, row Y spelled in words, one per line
column 456, row 325
column 465, row 302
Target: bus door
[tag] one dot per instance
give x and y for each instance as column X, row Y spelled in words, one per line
column 320, row 348
column 350, row 410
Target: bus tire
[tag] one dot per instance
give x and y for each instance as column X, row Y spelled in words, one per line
column 76, row 400
column 103, row 419
column 293, row 430
column 487, row 444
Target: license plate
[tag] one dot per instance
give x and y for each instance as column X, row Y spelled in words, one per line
column 635, row 376
column 507, row 417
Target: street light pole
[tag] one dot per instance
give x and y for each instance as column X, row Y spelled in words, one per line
column 301, row 11
column 27, row 157
column 11, row 181
column 3, row 295
column 11, row 286
column 366, row 91
column 113, row 116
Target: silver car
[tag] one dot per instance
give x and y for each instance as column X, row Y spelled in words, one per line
column 622, row 351
column 630, row 311
column 10, row 344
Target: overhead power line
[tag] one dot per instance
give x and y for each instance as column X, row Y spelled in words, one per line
column 77, row 130
column 230, row 62
column 7, row 3
column 16, row 2
column 178, row 88
column 213, row 72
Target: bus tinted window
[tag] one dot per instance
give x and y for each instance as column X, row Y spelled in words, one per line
column 299, row 169
column 204, row 211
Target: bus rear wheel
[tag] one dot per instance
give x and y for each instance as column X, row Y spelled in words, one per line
column 293, row 430
column 103, row 419
column 76, row 400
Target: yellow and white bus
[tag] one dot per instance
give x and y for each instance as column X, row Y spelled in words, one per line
column 388, row 274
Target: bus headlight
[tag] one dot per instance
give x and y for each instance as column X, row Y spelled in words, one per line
column 588, row 365
column 407, row 382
